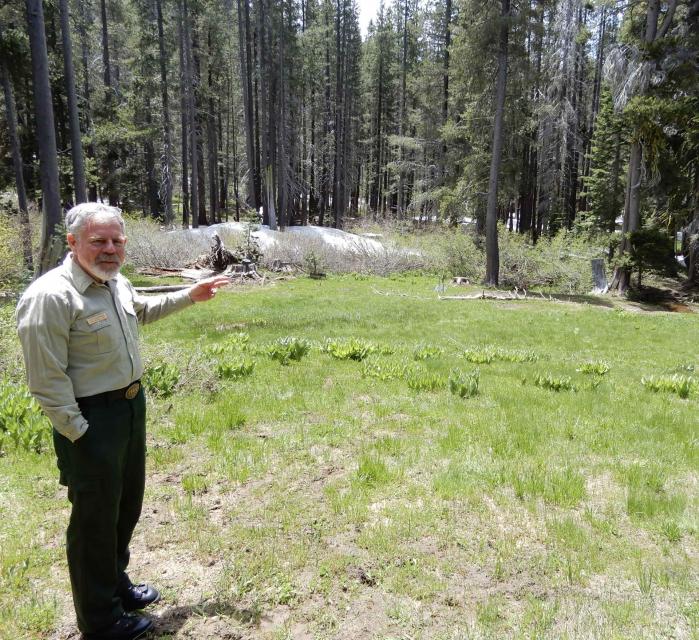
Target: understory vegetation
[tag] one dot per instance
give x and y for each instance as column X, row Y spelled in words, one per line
column 352, row 457
column 560, row 263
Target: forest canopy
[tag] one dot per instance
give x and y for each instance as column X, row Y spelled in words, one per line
column 540, row 114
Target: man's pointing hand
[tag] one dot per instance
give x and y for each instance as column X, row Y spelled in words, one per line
column 206, row 289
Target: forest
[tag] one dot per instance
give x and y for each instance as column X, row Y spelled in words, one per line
column 507, row 116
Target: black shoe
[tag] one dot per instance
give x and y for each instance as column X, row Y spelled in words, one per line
column 128, row 627
column 138, row 596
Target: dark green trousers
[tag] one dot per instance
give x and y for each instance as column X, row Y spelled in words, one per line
column 104, row 471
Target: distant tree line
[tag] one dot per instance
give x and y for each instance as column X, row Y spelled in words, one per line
column 541, row 115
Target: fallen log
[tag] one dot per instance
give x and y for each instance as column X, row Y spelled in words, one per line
column 485, row 295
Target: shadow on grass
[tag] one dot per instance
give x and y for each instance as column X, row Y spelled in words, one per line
column 658, row 299
column 596, row 301
column 174, row 618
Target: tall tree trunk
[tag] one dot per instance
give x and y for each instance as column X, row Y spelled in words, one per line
column 401, row 115
column 445, row 84
column 184, row 119
column 11, row 117
column 166, row 159
column 492, row 272
column 211, row 140
column 337, row 168
column 622, row 276
column 199, row 117
column 264, row 116
column 112, row 156
column 693, row 264
column 191, row 117
column 281, row 120
column 85, row 18
column 616, row 171
column 79, row 185
column 224, row 140
column 326, row 118
column 594, row 107
column 151, row 185
column 245, row 56
column 375, row 202
column 51, row 243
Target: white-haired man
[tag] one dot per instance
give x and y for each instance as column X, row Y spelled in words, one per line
column 78, row 325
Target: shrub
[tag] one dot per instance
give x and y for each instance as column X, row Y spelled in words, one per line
column 236, row 369
column 488, row 354
column 594, row 368
column 464, row 385
column 22, row 423
column 460, row 256
column 352, row 349
column 561, row 262
column 548, row 381
column 384, row 371
column 284, row 350
column 424, row 381
column 516, row 355
column 426, row 351
column 652, row 251
column 679, row 384
column 161, row 379
column 313, row 254
column 313, row 263
column 479, row 356
column 149, row 246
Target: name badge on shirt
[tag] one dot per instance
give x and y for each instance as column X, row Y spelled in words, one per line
column 98, row 317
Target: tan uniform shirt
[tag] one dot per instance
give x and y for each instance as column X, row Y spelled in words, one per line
column 80, row 337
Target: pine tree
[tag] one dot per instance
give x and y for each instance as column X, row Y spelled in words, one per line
column 603, row 187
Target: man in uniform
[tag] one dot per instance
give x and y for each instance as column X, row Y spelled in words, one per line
column 78, row 325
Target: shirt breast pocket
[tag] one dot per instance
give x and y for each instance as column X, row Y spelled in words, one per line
column 131, row 317
column 95, row 335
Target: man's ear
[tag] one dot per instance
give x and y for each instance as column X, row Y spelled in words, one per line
column 72, row 240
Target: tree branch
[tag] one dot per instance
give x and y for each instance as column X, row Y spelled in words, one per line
column 667, row 21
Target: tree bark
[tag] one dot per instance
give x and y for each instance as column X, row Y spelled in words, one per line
column 184, row 119
column 51, row 243
column 338, row 120
column 491, row 228
column 445, row 83
column 211, row 140
column 191, row 116
column 166, row 160
column 79, row 185
column 693, row 263
column 85, row 18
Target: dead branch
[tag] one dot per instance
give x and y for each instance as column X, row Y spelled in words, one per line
column 490, row 295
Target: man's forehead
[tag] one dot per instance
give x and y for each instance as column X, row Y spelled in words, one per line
column 96, row 228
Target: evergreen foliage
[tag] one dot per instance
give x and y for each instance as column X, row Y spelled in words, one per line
column 194, row 110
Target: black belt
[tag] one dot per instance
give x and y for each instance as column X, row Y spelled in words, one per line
column 129, row 392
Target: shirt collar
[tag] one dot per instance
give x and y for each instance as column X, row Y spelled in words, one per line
column 81, row 279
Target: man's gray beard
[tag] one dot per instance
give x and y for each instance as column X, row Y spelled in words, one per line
column 106, row 274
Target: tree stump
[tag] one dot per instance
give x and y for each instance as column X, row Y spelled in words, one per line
column 599, row 277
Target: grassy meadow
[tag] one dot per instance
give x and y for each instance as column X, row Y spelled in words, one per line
column 354, row 458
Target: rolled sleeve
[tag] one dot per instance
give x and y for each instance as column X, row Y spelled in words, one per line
column 43, row 324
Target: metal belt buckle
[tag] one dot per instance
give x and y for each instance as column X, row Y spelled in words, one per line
column 132, row 391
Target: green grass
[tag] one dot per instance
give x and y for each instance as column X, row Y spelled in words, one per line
column 399, row 457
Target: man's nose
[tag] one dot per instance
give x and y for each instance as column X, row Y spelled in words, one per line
column 109, row 247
